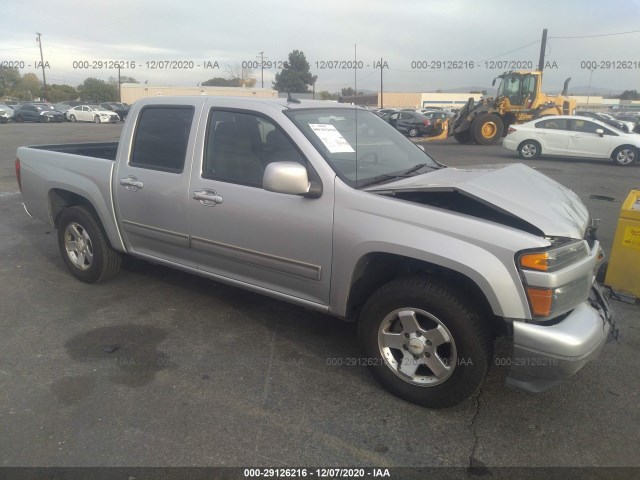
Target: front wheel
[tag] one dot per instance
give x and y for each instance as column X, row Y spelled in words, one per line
column 529, row 149
column 84, row 246
column 487, row 129
column 425, row 343
column 96, row 119
column 72, row 118
column 625, row 155
column 463, row 137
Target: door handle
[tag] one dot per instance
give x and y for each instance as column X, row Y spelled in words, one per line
column 208, row 198
column 131, row 183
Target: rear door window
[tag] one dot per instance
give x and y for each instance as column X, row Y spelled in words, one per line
column 161, row 138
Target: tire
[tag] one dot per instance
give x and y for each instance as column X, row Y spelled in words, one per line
column 72, row 118
column 84, row 246
column 413, row 132
column 487, row 129
column 19, row 119
column 463, row 137
column 452, row 338
column 529, row 149
column 96, row 119
column 624, row 155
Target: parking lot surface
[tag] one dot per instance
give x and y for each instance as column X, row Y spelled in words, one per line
column 162, row 368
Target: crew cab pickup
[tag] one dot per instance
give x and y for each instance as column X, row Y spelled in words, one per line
column 327, row 206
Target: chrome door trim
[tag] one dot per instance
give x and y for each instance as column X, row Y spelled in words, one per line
column 259, row 259
column 155, row 233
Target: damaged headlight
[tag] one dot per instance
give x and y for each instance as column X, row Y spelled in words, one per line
column 550, row 290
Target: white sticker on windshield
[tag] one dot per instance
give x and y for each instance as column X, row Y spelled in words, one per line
column 331, row 137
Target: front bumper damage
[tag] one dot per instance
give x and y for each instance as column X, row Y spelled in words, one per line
column 544, row 355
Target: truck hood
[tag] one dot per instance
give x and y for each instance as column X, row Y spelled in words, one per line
column 515, row 190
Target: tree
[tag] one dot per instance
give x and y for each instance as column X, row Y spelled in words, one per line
column 630, row 95
column 28, row 87
column 324, row 95
column 236, row 77
column 9, row 79
column 348, row 92
column 295, row 77
column 241, row 77
column 217, row 82
column 123, row 79
column 60, row 93
column 98, row 90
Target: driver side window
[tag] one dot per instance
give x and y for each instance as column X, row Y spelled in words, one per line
column 239, row 146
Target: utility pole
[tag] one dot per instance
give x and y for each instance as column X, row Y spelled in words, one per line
column 543, row 48
column 381, row 90
column 44, row 78
column 262, row 67
column 119, row 84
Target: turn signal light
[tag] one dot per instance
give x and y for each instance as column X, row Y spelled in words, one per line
column 511, row 130
column 535, row 261
column 540, row 300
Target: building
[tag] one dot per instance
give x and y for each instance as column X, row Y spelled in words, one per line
column 130, row 92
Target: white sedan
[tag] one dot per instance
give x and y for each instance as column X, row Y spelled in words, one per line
column 572, row 136
column 91, row 113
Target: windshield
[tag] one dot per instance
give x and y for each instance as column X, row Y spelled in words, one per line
column 362, row 154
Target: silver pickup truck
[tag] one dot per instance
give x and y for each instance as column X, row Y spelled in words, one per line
column 327, row 206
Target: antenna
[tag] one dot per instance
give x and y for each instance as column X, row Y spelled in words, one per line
column 290, row 99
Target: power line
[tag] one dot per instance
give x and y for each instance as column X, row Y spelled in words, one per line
column 601, row 35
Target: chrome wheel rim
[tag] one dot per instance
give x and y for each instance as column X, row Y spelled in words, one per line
column 417, row 347
column 78, row 246
column 529, row 150
column 625, row 156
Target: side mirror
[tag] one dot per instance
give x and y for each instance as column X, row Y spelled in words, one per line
column 600, row 132
column 287, row 177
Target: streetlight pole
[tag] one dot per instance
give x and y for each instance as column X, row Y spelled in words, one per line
column 44, row 78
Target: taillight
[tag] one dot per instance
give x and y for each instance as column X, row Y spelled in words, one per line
column 511, row 130
column 18, row 173
column 426, row 123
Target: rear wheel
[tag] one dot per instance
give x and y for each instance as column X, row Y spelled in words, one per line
column 84, row 246
column 625, row 155
column 413, row 132
column 487, row 129
column 529, row 149
column 424, row 342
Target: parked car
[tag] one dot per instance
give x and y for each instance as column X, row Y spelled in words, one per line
column 62, row 108
column 37, row 112
column 91, row 113
column 384, row 111
column 411, row 123
column 572, row 136
column 121, row 109
column 608, row 119
column 6, row 113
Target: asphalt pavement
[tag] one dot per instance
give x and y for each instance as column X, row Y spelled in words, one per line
column 161, row 368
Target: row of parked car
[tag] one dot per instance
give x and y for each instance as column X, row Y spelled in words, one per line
column 72, row 111
column 415, row 122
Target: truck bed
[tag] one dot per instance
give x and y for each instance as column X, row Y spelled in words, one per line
column 104, row 150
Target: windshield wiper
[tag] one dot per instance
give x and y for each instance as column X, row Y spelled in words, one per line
column 409, row 172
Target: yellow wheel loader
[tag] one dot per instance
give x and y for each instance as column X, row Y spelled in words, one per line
column 519, row 99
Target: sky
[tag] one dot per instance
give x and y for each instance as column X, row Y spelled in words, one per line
column 425, row 45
